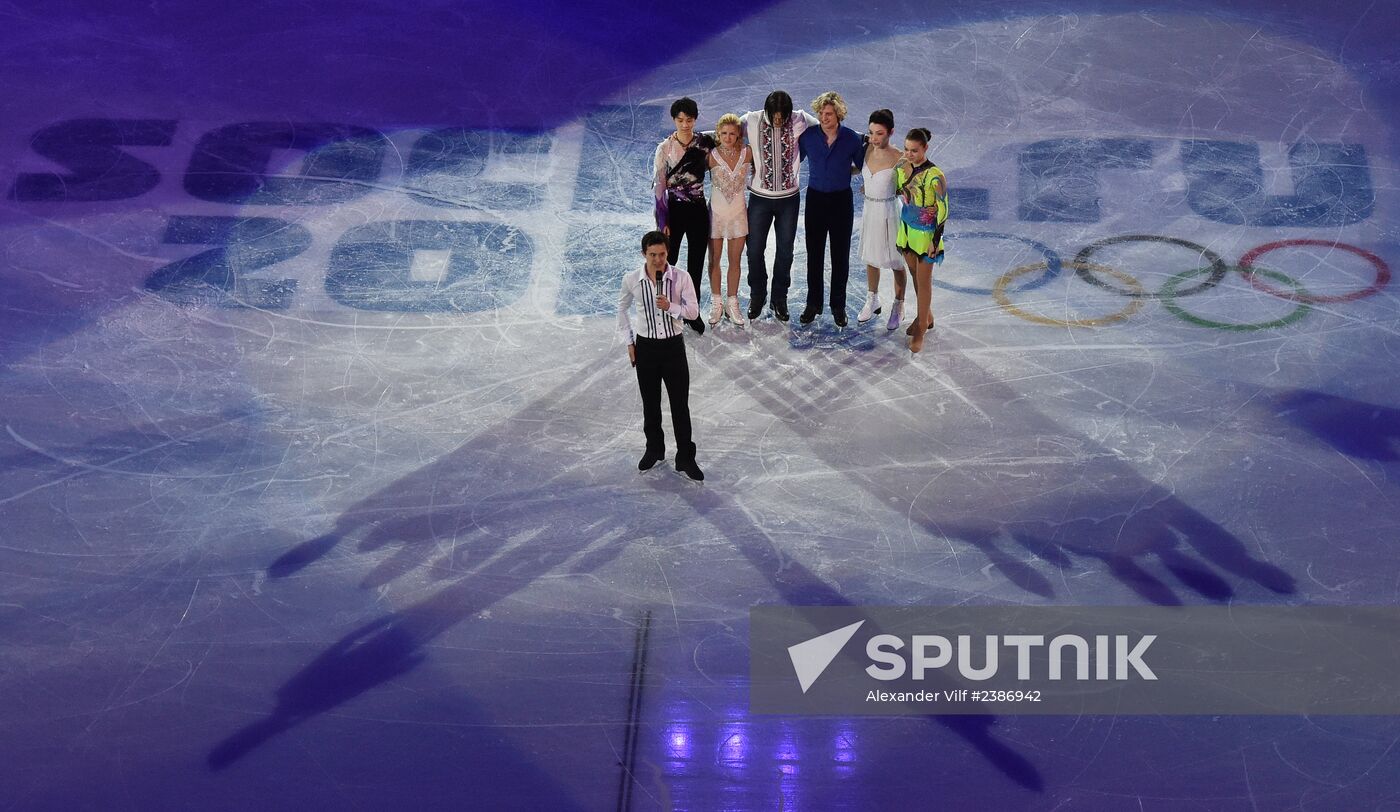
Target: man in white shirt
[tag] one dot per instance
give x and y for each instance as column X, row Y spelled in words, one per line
column 665, row 298
column 773, row 200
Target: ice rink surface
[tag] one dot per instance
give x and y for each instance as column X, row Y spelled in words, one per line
column 319, row 486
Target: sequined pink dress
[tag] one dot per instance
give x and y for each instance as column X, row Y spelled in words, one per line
column 729, row 215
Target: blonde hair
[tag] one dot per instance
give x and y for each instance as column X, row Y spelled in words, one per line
column 728, row 119
column 832, row 98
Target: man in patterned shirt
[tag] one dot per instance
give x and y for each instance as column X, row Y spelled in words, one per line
column 773, row 200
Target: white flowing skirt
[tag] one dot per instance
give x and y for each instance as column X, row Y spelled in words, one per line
column 879, row 229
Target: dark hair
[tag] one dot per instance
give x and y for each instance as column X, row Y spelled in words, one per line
column 686, row 105
column 652, row 238
column 920, row 134
column 778, row 102
column 883, row 117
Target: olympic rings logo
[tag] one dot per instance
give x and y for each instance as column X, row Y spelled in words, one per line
column 1181, row 285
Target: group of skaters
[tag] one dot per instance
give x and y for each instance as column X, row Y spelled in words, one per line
column 906, row 207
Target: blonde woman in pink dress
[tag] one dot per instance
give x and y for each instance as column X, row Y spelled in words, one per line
column 731, row 165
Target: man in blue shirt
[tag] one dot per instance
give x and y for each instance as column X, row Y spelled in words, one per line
column 833, row 153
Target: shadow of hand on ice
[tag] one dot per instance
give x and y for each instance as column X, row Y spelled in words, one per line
column 459, row 517
column 1035, row 498
column 1365, row 431
column 395, row 644
column 422, row 512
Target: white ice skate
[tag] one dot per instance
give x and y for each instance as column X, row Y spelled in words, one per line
column 735, row 315
column 871, row 310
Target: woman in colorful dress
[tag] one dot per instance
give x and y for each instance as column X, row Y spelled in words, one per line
column 879, row 223
column 923, row 189
column 679, row 185
column 731, row 166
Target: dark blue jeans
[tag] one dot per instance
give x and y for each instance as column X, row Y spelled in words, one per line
column 764, row 212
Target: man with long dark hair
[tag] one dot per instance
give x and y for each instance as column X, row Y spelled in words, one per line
column 773, row 200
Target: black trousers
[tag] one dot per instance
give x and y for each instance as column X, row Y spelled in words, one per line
column 662, row 360
column 691, row 220
column 828, row 214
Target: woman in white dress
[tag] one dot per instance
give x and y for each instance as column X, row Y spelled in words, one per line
column 731, row 165
column 879, row 225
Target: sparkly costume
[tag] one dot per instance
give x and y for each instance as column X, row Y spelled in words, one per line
column 729, row 216
column 924, row 191
column 679, row 185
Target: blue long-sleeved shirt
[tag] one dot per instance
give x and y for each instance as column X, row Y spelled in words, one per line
column 829, row 167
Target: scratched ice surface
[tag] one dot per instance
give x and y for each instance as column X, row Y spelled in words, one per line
column 319, row 485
